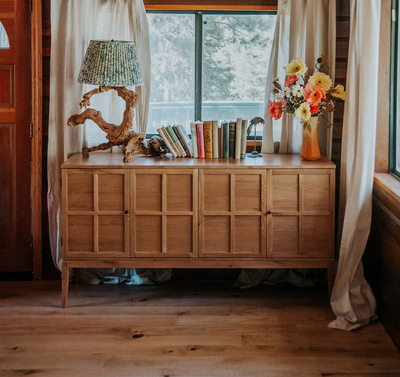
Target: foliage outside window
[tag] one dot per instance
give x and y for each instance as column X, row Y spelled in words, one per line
column 208, row 65
column 395, row 93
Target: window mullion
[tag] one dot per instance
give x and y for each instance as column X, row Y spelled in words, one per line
column 198, row 64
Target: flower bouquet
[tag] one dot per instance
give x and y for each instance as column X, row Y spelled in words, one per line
column 305, row 97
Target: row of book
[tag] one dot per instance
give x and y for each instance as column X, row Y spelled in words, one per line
column 209, row 139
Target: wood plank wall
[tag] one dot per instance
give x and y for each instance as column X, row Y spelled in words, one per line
column 343, row 26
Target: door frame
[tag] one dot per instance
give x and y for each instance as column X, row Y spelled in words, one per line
column 36, row 135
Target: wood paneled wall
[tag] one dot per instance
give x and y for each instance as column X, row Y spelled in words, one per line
column 382, row 256
column 343, row 26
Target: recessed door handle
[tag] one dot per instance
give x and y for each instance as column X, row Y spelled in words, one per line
column 269, row 213
column 126, row 212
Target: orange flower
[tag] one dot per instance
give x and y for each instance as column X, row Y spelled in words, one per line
column 314, row 109
column 275, row 110
column 291, row 80
column 314, row 98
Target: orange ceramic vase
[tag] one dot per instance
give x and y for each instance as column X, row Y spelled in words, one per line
column 310, row 147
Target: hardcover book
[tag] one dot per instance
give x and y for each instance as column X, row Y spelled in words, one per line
column 168, row 136
column 193, row 133
column 208, row 145
column 215, row 138
column 200, row 139
column 238, row 138
column 232, row 139
column 245, row 123
column 226, row 140
column 176, row 141
column 186, row 140
column 166, row 141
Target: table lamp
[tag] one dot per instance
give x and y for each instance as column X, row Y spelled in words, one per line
column 111, row 65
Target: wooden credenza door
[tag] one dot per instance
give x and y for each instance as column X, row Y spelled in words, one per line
column 15, row 115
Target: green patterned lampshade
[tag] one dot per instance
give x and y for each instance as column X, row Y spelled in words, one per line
column 111, row 63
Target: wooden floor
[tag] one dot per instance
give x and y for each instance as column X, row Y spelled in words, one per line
column 183, row 328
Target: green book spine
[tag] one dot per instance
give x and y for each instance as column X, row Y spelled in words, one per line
column 226, row 140
column 232, row 139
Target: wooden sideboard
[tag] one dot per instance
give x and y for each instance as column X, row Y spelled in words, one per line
column 271, row 212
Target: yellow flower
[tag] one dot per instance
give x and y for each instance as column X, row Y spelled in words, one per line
column 296, row 67
column 340, row 93
column 303, row 111
column 320, row 79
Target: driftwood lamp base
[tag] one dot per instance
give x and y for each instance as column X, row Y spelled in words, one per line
column 132, row 141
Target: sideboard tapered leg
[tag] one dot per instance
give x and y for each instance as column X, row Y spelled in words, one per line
column 65, row 283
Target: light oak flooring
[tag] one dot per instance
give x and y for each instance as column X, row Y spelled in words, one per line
column 186, row 327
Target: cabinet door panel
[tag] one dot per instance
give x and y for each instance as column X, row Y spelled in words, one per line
column 232, row 213
column 164, row 213
column 96, row 203
column 301, row 202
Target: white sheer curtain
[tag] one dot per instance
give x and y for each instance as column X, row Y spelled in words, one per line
column 306, row 29
column 73, row 24
column 352, row 299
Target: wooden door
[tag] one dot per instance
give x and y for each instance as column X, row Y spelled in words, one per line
column 15, row 162
column 164, row 212
column 96, row 213
column 301, row 222
column 232, row 213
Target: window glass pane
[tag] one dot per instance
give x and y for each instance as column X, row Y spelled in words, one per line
column 172, row 46
column 4, row 43
column 236, row 52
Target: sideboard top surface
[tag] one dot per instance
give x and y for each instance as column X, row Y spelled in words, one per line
column 270, row 161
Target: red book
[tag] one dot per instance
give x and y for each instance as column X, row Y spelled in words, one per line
column 200, row 139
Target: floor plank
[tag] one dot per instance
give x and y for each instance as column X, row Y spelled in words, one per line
column 183, row 328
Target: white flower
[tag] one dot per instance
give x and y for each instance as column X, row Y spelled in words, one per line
column 272, row 97
column 286, row 92
column 279, row 95
column 297, row 91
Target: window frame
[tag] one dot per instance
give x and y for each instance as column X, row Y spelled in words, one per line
column 394, row 91
column 198, row 80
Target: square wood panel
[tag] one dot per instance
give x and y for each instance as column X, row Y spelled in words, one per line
column 80, row 234
column 148, row 189
column 6, row 86
column 285, row 236
column 216, row 234
column 111, row 234
column 285, row 195
column 247, row 234
column 217, row 192
column 179, row 237
column 179, row 192
column 80, row 194
column 315, row 192
column 148, row 234
column 247, row 192
column 111, row 192
column 316, row 237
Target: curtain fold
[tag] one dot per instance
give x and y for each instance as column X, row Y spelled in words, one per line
column 73, row 24
column 306, row 29
column 352, row 299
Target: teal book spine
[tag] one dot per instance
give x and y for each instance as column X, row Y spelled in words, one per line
column 226, row 140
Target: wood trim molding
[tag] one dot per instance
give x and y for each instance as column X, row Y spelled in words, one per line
column 211, row 7
column 36, row 141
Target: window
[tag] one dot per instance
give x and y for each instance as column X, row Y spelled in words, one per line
column 4, row 43
column 208, row 65
column 395, row 94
